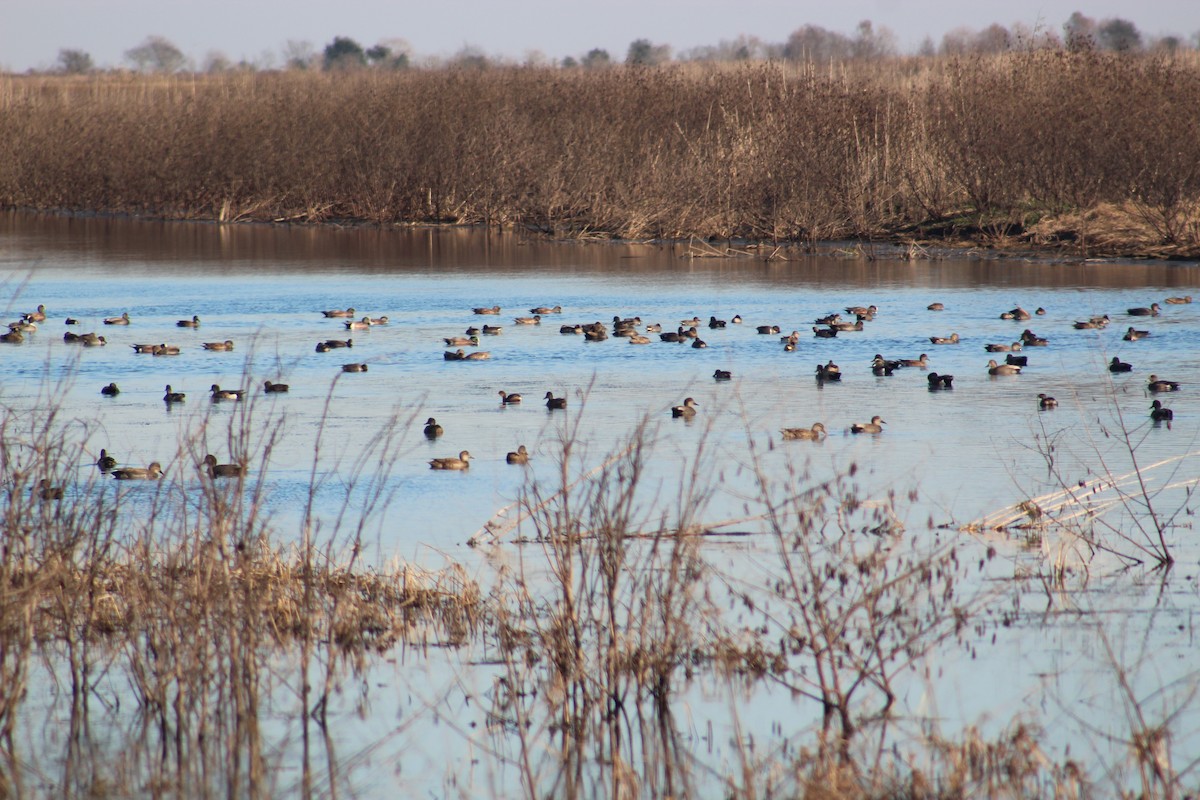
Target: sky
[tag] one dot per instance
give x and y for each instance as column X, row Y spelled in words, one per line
column 33, row 31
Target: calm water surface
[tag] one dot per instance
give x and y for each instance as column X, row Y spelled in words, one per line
column 962, row 453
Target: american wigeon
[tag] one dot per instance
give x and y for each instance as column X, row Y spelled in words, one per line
column 863, row 311
column 275, row 388
column 813, row 433
column 110, row 391
column 358, row 367
column 688, row 409
column 829, row 372
column 553, row 402
column 358, row 324
column 1152, row 311
column 1017, row 361
column 874, row 426
column 478, row 355
column 1156, row 384
column 40, row 314
column 922, row 362
column 173, row 396
column 12, row 337
column 226, row 394
column 222, row 347
column 824, row 333
column 1046, row 402
column 378, row 320
column 1003, row 369
column 451, row 462
column 1132, row 335
column 432, row 429
column 847, row 327
column 152, row 472
column 768, row 329
column 1179, row 301
column 536, row 319
column 637, row 338
column 105, row 462
column 333, row 344
column 508, row 398
column 546, row 310
column 493, row 310
column 493, row 330
column 144, row 348
column 1017, row 313
column 722, row 375
column 938, row 382
column 121, row 320
column 951, row 339
column 46, row 491
column 1002, row 348
column 194, row 322
column 936, row 307
column 461, row 341
column 1031, row 339
column 1094, row 323
column 335, row 313
column 167, row 350
column 214, row 470
column 521, row 456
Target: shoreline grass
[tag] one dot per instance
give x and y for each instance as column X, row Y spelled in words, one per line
column 1088, row 152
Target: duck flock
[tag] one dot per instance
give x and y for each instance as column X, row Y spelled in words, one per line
column 467, row 347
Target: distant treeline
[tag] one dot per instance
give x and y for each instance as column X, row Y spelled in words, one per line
column 992, row 146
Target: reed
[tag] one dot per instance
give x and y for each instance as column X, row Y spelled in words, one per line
column 1018, row 148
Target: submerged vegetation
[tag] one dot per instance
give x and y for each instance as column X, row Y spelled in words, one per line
column 1098, row 153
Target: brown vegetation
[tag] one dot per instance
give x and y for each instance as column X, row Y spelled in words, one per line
column 1037, row 148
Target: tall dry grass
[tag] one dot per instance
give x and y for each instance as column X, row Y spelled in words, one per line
column 985, row 146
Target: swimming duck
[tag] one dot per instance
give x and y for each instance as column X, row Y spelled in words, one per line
column 521, row 456
column 172, row 396
column 637, row 338
column 144, row 348
column 553, row 402
column 862, row 311
column 354, row 367
column 881, row 366
column 829, row 372
column 454, row 355
column 1157, row 385
column 546, row 310
column 715, row 323
column 358, row 324
column 121, row 320
column 736, row 319
column 461, row 341
column 571, row 329
column 672, row 336
column 335, row 343
column 493, row 330
column 152, row 472
column 167, row 350
column 478, row 355
column 693, row 321
column 1132, row 335
column 194, row 322
column 1152, row 311
column 922, row 362
column 1016, row 361
column 461, row 462
column 1117, row 365
column 536, row 319
column 1003, row 369
column 700, row 344
column 874, row 426
column 335, row 313
column 110, row 391
column 937, row 382
column 226, row 394
column 92, row 340
column 1093, row 323
column 1031, row 339
column 847, row 326
column 222, row 347
column 1159, row 413
column 688, row 409
column 40, row 314
column 824, row 333
column 378, row 320
column 46, row 491
column 936, row 307
column 493, row 310
column 105, row 462
column 768, row 329
column 215, row 470
column 12, row 337
column 1017, row 313
column 654, row 327
column 814, row 433
column 72, row 321
column 1046, row 402
column 509, row 399
column 722, row 375
column 1179, row 301
column 1002, row 348
column 275, row 388
column 951, row 339
column 432, row 429
column 24, row 326
column 828, row 319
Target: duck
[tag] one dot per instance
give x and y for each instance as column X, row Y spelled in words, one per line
column 1156, row 384
column 358, row 324
column 462, row 461
column 275, row 388
column 812, row 434
column 1117, row 365
column 70, row 337
column 922, row 362
column 494, row 310
column 335, row 313
column 688, row 409
column 768, row 329
column 461, row 341
column 1179, row 301
column 144, row 348
column 1046, row 402
column 335, row 343
column 378, row 320
column 937, row 381
column 432, row 429
column 454, row 355
column 789, row 347
column 1017, row 313
column 936, row 307
column 714, row 323
column 46, row 491
column 173, row 396
column 24, row 326
column 1152, row 311
column 951, row 339
column 521, row 456
column 1159, row 412
column 105, row 462
column 110, row 391
column 575, row 329
column 214, row 470
column 1003, row 369
column 1093, row 324
column 874, row 426
column 493, row 330
column 654, row 327
column 40, row 314
column 828, row 319
column 848, row 327
column 121, row 320
column 722, row 375
column 167, row 350
column 881, row 366
column 92, row 340
column 536, row 319
column 829, row 372
column 595, row 334
column 736, row 319
column 226, row 394
column 700, row 344
column 637, row 338
column 478, row 355
column 152, row 472
column 12, row 337
column 1002, row 348
column 672, row 336
column 359, row 367
column 508, row 399
column 72, row 321
column 222, row 347
column 693, row 321
column 194, row 322
column 546, row 310
column 863, row 311
column 553, row 402
column 824, row 333
column 1133, row 335
column 1031, row 339
column 1016, row 361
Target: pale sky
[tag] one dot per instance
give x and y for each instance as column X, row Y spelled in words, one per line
column 33, row 31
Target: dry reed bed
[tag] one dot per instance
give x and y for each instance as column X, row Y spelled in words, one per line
column 980, row 147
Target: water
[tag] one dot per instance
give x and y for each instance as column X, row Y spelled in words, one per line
column 950, row 457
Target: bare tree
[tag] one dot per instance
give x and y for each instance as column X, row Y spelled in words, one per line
column 74, row 62
column 298, row 54
column 1080, row 32
column 595, row 58
column 1120, row 35
column 156, row 54
column 646, row 54
column 216, row 62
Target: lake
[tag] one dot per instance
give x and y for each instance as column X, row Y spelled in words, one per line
column 949, row 457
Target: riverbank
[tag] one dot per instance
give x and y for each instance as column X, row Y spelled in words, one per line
column 1081, row 153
